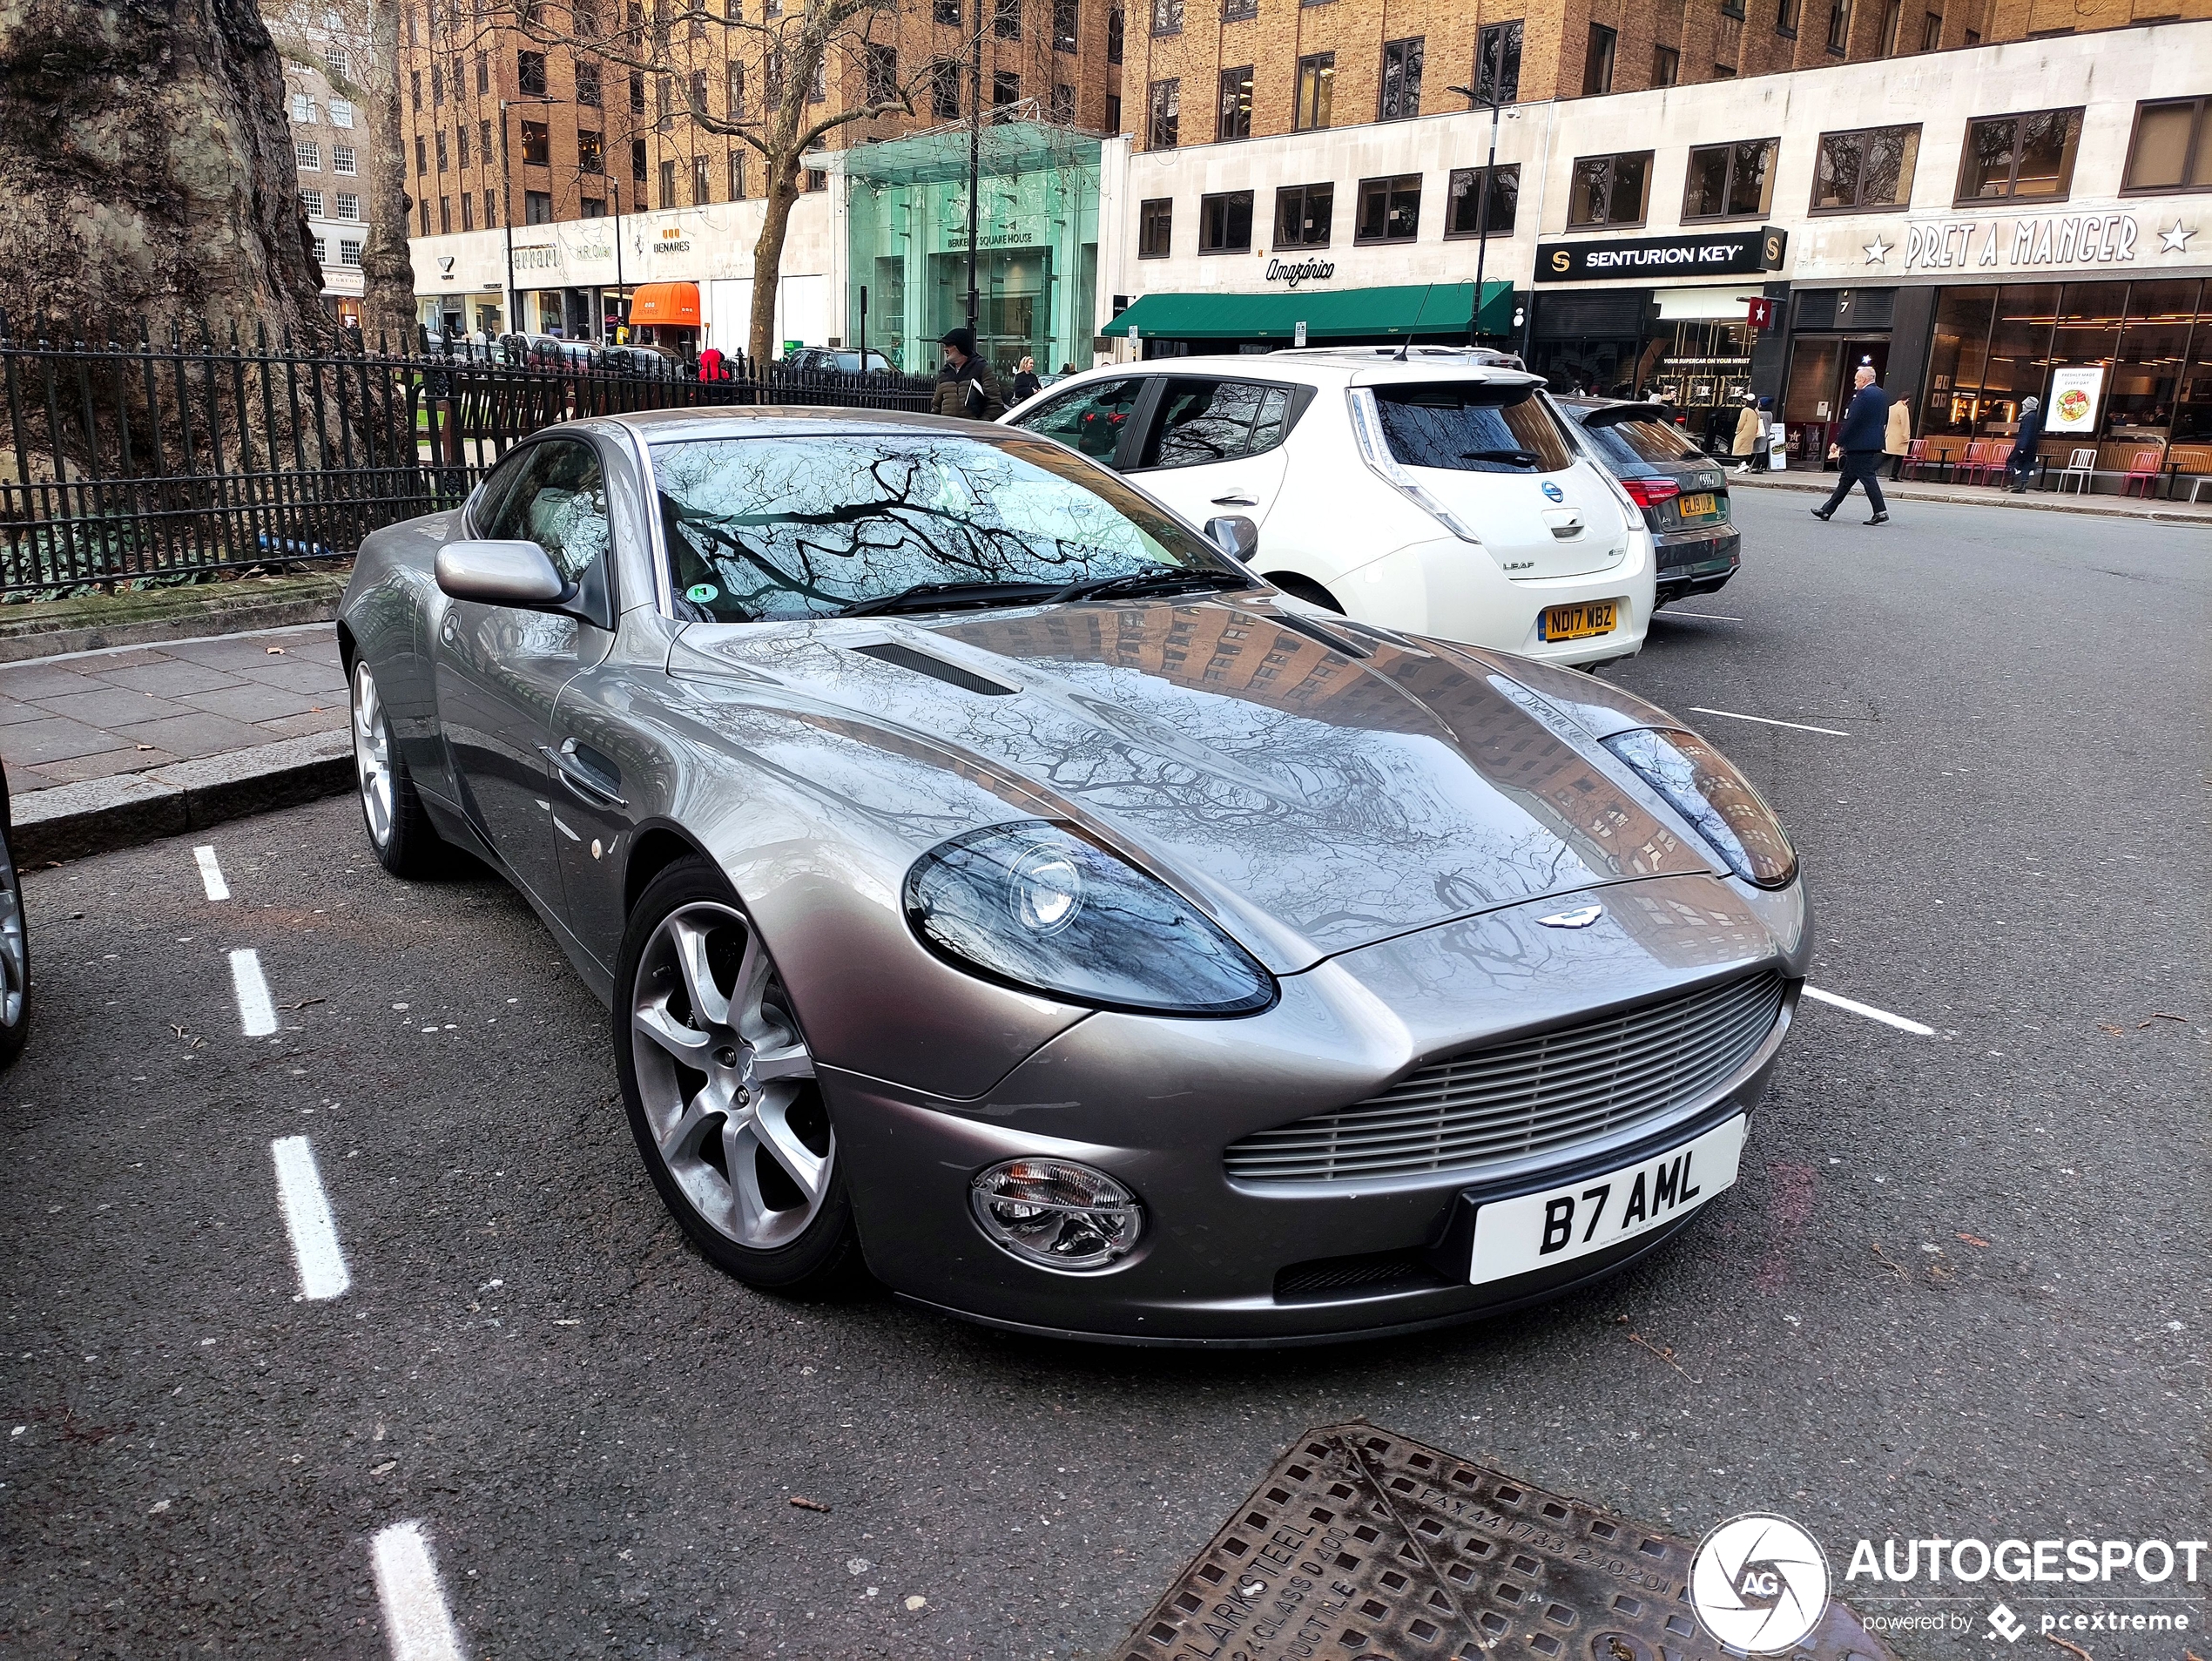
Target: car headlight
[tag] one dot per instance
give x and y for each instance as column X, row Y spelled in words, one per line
column 1712, row 795
column 1039, row 907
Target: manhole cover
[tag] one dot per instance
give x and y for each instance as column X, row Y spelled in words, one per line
column 1361, row 1545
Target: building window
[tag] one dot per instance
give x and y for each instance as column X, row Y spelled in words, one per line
column 1063, row 112
column 538, row 145
column 342, row 112
column 818, row 87
column 1113, row 112
column 461, row 144
column 445, row 218
column 1005, row 19
column 664, row 103
column 349, row 205
column 733, row 90
column 2011, row 156
column 1239, row 10
column 303, row 110
column 1610, row 190
column 1225, row 223
column 1973, row 37
column 1390, row 209
column 312, row 201
column 322, row 244
column 483, row 141
column 1006, row 92
column 537, row 207
column 491, row 210
column 1463, row 208
column 590, row 152
column 1066, row 18
column 637, row 95
column 1165, row 115
column 1892, row 27
column 437, row 87
column 1666, row 66
column 668, row 183
column 483, row 74
column 529, row 74
column 414, row 101
column 814, row 179
column 343, row 160
column 1785, row 17
column 1869, row 168
column 638, row 163
column 1497, row 63
column 737, row 176
column 309, row 154
column 591, row 208
column 944, row 91
column 696, row 88
column 1838, row 26
column 1730, row 181
column 1597, row 62
column 1235, row 114
column 1167, row 16
column 1302, row 215
column 1117, row 28
column 1317, row 84
column 702, row 180
column 340, row 62
column 2171, row 149
column 1931, row 32
column 468, row 211
column 946, row 12
column 438, row 143
column 349, row 248
column 421, row 157
column 1400, row 99
column 422, row 214
column 587, row 84
column 882, row 81
column 1155, row 224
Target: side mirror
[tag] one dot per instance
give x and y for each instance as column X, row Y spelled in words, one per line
column 500, row 573
column 1236, row 535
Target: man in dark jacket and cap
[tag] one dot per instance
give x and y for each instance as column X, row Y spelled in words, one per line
column 966, row 387
column 2021, row 463
column 1865, row 429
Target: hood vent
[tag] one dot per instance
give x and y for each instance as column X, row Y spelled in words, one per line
column 923, row 663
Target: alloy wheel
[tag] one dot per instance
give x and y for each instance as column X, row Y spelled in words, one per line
column 14, row 973
column 727, row 1081
column 373, row 755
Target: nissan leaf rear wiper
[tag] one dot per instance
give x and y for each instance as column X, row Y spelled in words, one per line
column 1511, row 457
column 930, row 597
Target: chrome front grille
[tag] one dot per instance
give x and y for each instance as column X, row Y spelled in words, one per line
column 1527, row 1095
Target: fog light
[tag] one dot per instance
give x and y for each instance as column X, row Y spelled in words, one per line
column 1061, row 1215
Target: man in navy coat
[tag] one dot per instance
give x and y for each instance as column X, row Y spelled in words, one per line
column 1865, row 429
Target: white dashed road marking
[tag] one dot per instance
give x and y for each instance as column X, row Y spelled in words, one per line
column 255, row 1013
column 416, row 1624
column 1795, row 726
column 307, row 1216
column 212, row 874
column 1870, row 1012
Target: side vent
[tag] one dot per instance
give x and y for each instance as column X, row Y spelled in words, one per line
column 921, row 663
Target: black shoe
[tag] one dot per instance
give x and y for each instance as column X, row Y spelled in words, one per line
column 1822, row 514
column 1879, row 519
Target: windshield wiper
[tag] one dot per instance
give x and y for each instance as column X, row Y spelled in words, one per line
column 930, row 597
column 1515, row 457
column 1093, row 588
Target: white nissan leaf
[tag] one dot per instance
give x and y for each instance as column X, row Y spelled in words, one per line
column 1439, row 492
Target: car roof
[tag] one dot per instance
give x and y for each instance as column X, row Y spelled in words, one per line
column 1339, row 366
column 809, row 421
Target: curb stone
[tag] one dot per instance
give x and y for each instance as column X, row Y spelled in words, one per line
column 45, row 634
column 69, row 821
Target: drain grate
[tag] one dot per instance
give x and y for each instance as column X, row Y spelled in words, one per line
column 1361, row 1545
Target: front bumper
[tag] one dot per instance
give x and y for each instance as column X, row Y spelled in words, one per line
column 1156, row 1102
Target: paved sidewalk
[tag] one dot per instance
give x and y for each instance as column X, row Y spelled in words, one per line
column 1985, row 496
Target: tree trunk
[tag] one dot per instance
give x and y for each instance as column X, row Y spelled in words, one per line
column 388, row 274
column 768, row 258
column 146, row 156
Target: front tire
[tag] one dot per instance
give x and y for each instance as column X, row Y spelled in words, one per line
column 15, row 954
column 720, row 1085
column 400, row 832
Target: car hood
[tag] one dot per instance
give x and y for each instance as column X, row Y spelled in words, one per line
column 1314, row 799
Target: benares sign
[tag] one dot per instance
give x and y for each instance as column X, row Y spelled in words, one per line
column 2072, row 239
column 1300, row 271
column 672, row 240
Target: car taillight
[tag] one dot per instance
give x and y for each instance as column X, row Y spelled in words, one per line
column 1649, row 493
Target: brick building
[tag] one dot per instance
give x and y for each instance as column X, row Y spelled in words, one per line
column 330, row 143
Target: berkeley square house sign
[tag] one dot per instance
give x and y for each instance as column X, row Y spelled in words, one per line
column 1737, row 253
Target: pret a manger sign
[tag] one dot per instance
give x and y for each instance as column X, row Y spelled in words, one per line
column 2051, row 240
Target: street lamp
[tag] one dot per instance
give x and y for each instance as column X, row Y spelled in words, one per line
column 1489, row 178
column 507, row 204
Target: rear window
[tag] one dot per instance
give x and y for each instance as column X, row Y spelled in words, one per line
column 1650, row 442
column 1472, row 427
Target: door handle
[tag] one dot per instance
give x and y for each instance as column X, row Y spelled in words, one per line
column 1235, row 499
column 580, row 779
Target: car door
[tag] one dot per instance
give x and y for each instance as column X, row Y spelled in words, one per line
column 1215, row 446
column 1093, row 418
column 500, row 668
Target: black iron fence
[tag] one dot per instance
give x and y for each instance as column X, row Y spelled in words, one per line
column 175, row 452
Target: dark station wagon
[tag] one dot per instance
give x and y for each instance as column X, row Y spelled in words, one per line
column 1682, row 491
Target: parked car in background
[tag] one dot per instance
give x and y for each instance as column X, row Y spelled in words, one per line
column 1441, row 493
column 822, row 360
column 1682, row 491
column 15, row 943
column 639, row 359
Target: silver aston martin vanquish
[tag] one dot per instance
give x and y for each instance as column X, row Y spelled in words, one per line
column 997, row 886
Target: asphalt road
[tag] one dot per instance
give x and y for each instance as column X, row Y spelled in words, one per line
column 1960, row 1291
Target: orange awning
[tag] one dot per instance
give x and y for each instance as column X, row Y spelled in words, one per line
column 670, row 303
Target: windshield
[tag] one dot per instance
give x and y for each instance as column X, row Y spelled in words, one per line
column 1472, row 427
column 778, row 528
column 1633, row 443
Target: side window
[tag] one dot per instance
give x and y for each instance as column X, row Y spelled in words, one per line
column 559, row 502
column 1205, row 422
column 1089, row 418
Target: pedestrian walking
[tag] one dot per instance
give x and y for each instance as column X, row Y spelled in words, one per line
column 1026, row 384
column 966, row 386
column 2020, row 463
column 1748, row 426
column 1858, row 442
column 1896, row 436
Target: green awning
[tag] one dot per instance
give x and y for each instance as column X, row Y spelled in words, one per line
column 1328, row 313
